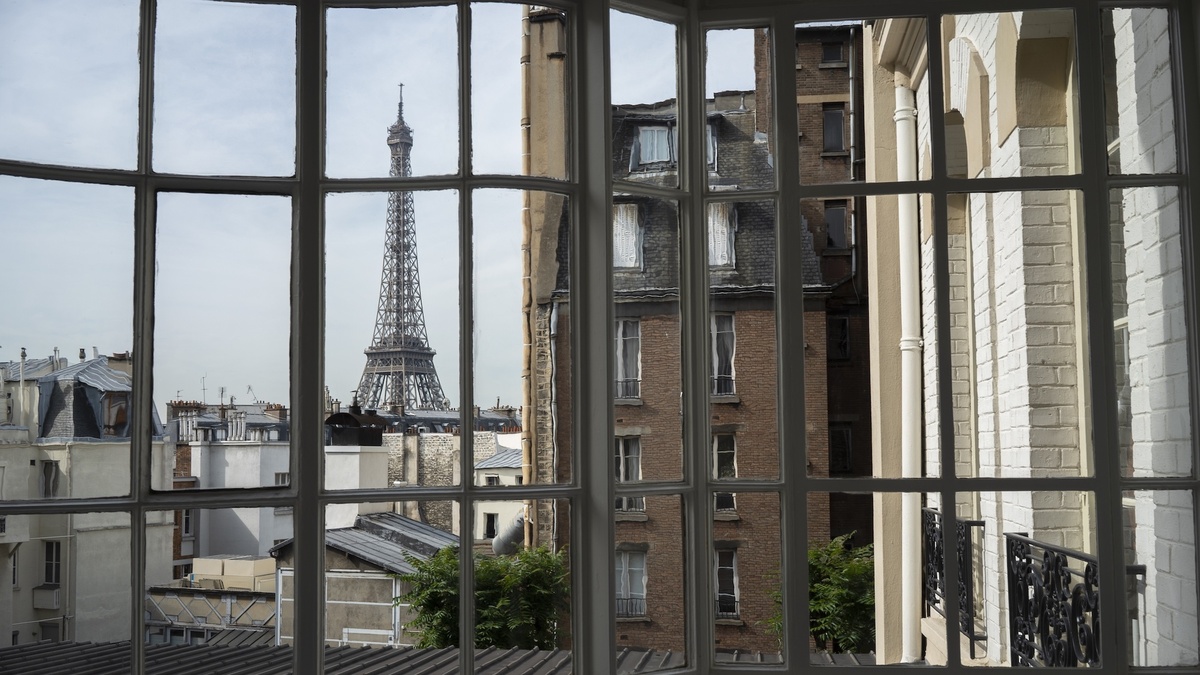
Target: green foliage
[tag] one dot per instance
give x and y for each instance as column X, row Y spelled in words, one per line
column 518, row 598
column 841, row 599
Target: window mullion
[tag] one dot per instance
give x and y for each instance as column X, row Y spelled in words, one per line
column 1097, row 275
column 696, row 343
column 307, row 344
column 466, row 297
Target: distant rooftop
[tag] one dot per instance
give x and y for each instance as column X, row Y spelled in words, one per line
column 86, row 658
column 503, row 459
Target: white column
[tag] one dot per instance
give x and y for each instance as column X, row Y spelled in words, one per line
column 910, row 372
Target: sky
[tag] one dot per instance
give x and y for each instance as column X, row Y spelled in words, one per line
column 224, row 104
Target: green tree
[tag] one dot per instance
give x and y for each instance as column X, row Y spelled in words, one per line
column 518, row 598
column 841, row 598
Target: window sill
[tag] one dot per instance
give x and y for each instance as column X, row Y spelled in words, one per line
column 627, row 401
column 631, row 517
column 725, row 398
column 633, row 619
column 730, row 622
column 835, row 153
column 726, row 515
column 833, row 64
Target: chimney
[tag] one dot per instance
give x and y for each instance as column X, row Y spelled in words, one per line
column 121, row 361
column 82, row 355
column 276, row 411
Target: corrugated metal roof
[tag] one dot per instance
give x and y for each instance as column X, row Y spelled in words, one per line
column 503, row 459
column 34, row 368
column 85, row 658
column 95, row 373
column 383, row 539
column 242, row 637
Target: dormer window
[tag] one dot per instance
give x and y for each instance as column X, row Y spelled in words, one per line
column 656, row 145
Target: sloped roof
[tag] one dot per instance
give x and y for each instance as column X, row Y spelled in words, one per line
column 95, row 372
column 34, row 368
column 112, row 658
column 242, row 637
column 503, row 459
column 383, row 540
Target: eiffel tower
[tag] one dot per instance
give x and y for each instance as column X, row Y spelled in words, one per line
column 399, row 374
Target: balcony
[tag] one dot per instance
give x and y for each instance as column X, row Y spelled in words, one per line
column 631, row 608
column 934, row 576
column 727, row 608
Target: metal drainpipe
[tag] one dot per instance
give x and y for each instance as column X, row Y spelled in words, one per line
column 910, row 373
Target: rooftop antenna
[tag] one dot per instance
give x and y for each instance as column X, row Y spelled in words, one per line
column 203, row 389
column 222, row 390
column 250, row 391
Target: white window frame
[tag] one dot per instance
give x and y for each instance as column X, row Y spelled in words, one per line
column 722, row 230
column 656, row 144
column 628, row 361
column 724, row 379
column 724, row 501
column 627, row 468
column 52, row 562
column 727, row 602
column 624, row 589
column 627, row 236
column 48, row 478
column 592, row 571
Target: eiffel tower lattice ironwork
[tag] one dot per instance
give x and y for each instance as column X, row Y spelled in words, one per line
column 399, row 374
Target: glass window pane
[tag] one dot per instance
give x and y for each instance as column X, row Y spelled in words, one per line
column 737, row 98
column 212, row 113
column 65, row 364
column 370, row 52
column 742, row 334
column 224, row 264
column 647, row 382
column 69, row 99
column 643, row 74
column 1140, row 105
column 1160, row 556
column 71, row 581
column 402, row 396
column 522, row 355
column 1013, row 105
column 1150, row 333
column 651, row 611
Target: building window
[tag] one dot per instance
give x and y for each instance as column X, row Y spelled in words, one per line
column 833, row 52
column 627, row 459
column 835, row 224
column 724, row 467
column 723, row 347
column 631, row 584
column 629, row 358
column 116, row 414
column 489, row 525
column 627, row 236
column 655, row 144
column 14, row 559
column 53, row 559
column 834, row 117
column 841, row 456
column 187, row 522
column 727, row 584
column 283, row 478
column 722, row 224
column 48, row 484
column 838, row 329
column 491, row 479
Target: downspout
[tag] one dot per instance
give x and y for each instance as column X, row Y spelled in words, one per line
column 910, row 373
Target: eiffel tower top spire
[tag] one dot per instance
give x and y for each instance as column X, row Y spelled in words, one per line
column 399, row 374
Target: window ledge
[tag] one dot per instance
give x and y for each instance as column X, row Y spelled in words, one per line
column 835, row 153
column 627, row 401
column 833, row 64
column 726, row 515
column 631, row 517
column 730, row 622
column 725, row 398
column 633, row 619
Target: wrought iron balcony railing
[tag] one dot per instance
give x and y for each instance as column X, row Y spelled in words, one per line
column 727, row 608
column 628, row 388
column 635, row 504
column 934, row 577
column 1053, row 603
column 630, row 607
